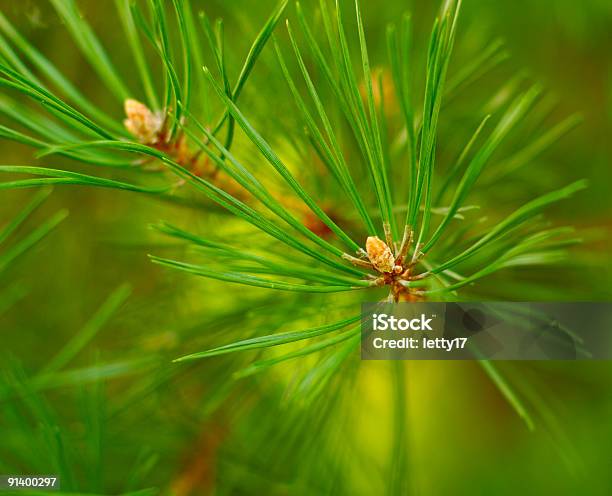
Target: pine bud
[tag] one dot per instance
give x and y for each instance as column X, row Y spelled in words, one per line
column 141, row 122
column 380, row 254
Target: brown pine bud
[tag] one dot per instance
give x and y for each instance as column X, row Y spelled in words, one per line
column 141, row 122
column 380, row 254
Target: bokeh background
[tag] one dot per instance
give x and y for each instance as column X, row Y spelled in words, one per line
column 139, row 421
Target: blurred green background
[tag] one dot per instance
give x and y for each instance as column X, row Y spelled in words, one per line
column 193, row 430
